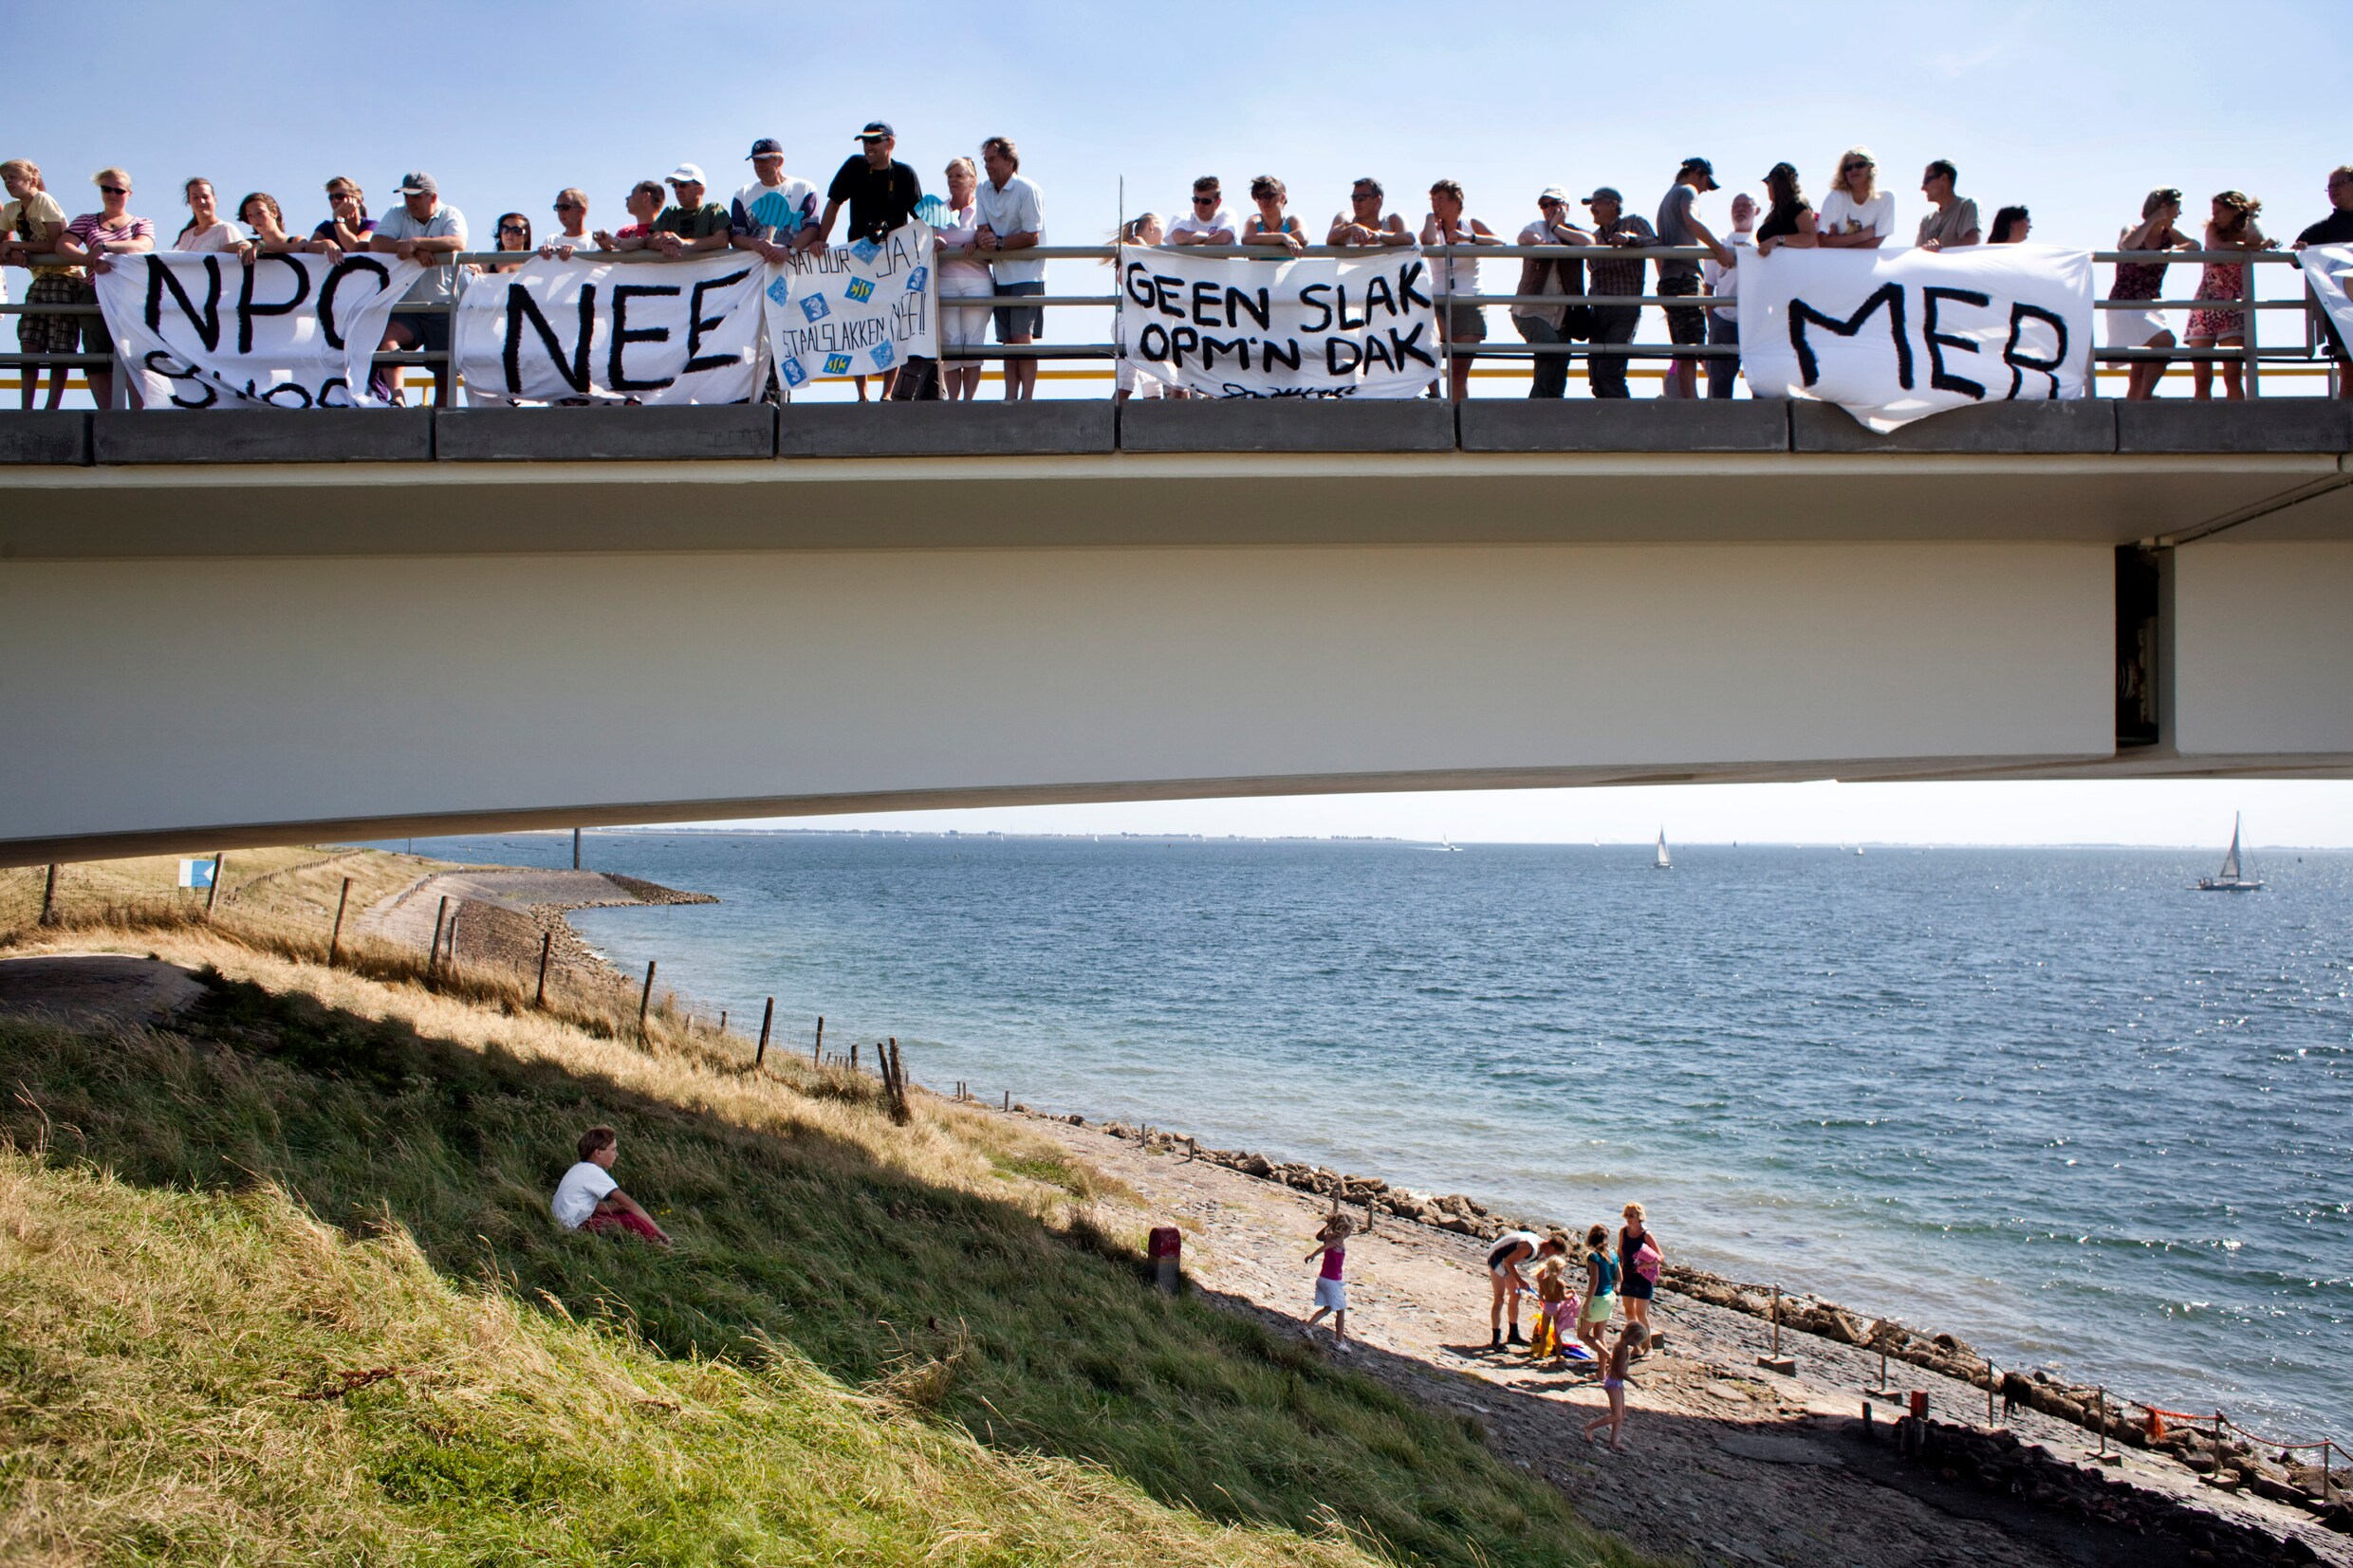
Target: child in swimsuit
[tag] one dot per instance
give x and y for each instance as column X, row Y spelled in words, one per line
column 1331, row 1290
column 1614, row 1384
column 1554, row 1301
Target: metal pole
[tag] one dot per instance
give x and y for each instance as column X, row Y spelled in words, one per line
column 48, row 897
column 575, row 849
column 212, row 894
column 2246, row 338
column 546, row 949
column 335, row 943
column 768, row 1016
column 646, row 998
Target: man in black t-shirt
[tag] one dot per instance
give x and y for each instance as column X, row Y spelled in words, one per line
column 2336, row 229
column 880, row 190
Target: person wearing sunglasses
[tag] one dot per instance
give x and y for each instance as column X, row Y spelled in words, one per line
column 1857, row 214
column 1955, row 220
column 1363, row 223
column 572, row 212
column 1208, row 222
column 2336, row 229
column 347, row 226
column 92, row 239
column 514, row 236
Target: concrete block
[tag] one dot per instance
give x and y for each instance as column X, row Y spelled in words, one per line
column 1549, row 424
column 2285, row 424
column 717, row 431
column 45, row 435
column 263, row 436
column 990, row 429
column 1287, row 424
column 2078, row 425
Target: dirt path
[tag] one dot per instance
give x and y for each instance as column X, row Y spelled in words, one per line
column 1726, row 1462
column 95, row 989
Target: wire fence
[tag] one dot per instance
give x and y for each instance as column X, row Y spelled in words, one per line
column 2308, row 359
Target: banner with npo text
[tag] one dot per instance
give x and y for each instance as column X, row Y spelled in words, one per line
column 1315, row 327
column 855, row 310
column 683, row 331
column 2329, row 271
column 207, row 331
column 1892, row 335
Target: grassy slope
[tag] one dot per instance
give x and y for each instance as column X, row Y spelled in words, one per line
column 822, row 1250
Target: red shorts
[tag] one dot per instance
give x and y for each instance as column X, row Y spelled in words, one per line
column 621, row 1220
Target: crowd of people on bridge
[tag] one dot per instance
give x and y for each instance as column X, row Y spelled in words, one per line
column 992, row 218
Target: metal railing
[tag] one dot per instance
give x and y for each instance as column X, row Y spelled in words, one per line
column 2313, row 357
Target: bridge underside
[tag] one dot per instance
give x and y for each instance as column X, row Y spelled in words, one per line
column 208, row 658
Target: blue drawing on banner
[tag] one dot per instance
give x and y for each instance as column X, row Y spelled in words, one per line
column 916, row 278
column 778, row 292
column 865, row 250
column 860, row 289
column 837, row 364
column 883, row 357
column 792, row 370
column 815, row 307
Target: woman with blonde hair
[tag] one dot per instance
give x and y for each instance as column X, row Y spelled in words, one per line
column 963, row 276
column 1127, row 381
column 1857, row 214
column 2230, row 225
column 2147, row 327
column 95, row 239
column 347, row 226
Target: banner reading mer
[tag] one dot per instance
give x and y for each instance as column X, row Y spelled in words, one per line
column 1305, row 329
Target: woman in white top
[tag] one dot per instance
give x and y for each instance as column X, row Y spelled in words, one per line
column 1127, row 381
column 1269, row 225
column 1857, row 214
column 961, row 277
column 1458, row 322
column 207, row 230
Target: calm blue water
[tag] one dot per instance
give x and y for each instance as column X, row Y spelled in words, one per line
column 2050, row 1099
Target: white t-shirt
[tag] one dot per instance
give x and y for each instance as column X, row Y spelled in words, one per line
column 223, row 235
column 577, row 1195
column 1219, row 219
column 438, row 284
column 962, row 274
column 1724, row 281
column 569, row 242
column 1840, row 216
column 773, row 212
column 1458, row 274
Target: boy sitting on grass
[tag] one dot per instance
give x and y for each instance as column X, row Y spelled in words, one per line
column 589, row 1199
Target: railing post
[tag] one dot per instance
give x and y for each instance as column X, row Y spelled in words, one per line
column 2251, row 365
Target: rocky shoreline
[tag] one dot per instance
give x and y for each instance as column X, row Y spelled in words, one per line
column 2219, row 1455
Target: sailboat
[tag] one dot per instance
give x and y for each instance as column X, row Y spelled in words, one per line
column 1447, row 845
column 1663, row 862
column 2232, row 878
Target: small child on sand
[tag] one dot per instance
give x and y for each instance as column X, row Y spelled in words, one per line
column 1614, row 1383
column 1554, row 1301
column 1331, row 1291
column 589, row 1199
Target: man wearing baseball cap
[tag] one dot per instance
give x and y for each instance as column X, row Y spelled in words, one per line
column 879, row 191
column 1543, row 324
column 1678, row 225
column 424, row 229
column 1614, row 323
column 771, row 215
column 689, row 226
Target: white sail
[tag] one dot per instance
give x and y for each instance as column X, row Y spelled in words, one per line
column 1662, row 863
column 2230, row 862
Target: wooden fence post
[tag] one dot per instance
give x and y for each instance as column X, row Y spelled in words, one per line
column 546, row 951
column 853, row 1055
column 817, row 1052
column 432, row 954
column 335, row 942
column 212, row 894
column 646, row 998
column 48, row 897
column 768, row 1016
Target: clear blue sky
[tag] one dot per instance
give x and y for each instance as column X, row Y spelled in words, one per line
column 2075, row 109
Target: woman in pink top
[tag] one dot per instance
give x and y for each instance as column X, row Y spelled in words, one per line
column 2231, row 227
column 92, row 239
column 1331, row 1290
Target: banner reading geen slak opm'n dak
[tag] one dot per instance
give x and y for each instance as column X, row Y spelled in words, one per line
column 856, row 309
column 552, row 331
column 207, row 331
column 1313, row 327
column 1892, row 335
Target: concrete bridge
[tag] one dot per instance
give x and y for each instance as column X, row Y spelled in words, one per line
column 229, row 629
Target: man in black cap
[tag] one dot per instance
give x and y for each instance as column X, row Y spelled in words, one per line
column 1678, row 225
column 1605, row 374
column 882, row 191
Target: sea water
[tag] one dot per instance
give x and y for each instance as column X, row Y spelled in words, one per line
column 2053, row 1101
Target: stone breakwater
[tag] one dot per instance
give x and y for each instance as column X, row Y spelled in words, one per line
column 2225, row 1456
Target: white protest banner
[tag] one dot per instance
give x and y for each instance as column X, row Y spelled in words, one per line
column 856, row 309
column 1305, row 329
column 1892, row 336
column 2328, row 268
column 683, row 331
column 207, row 331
